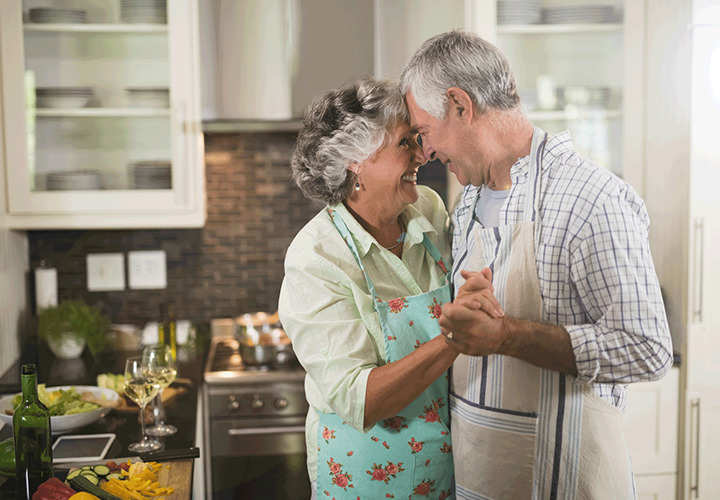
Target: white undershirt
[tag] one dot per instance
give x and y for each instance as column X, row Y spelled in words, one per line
column 487, row 209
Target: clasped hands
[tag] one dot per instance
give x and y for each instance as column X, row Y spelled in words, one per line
column 473, row 323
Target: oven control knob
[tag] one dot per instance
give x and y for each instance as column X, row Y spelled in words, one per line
column 281, row 403
column 257, row 404
column 232, row 404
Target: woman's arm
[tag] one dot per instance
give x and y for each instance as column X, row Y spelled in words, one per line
column 392, row 387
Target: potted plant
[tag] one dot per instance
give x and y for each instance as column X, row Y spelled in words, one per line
column 70, row 326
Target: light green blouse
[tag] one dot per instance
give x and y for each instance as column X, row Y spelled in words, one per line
column 326, row 308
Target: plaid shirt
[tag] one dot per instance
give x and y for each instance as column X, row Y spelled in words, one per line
column 596, row 274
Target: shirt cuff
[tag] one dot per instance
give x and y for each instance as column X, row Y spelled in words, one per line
column 586, row 350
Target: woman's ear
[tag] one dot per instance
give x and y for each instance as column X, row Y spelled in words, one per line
column 460, row 103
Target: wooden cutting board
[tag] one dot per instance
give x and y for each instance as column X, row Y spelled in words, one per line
column 176, row 474
column 127, row 406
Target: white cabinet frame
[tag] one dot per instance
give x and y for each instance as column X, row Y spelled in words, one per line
column 181, row 206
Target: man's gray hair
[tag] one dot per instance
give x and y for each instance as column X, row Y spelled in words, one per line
column 344, row 126
column 464, row 60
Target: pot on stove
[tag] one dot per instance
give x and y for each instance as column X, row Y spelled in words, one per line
column 263, row 342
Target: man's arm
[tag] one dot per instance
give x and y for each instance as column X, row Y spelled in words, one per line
column 626, row 336
column 477, row 334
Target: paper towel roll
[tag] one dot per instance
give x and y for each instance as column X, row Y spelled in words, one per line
column 45, row 287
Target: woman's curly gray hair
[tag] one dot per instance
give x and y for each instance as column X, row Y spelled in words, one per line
column 344, row 126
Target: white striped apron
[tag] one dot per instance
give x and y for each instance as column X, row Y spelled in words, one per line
column 521, row 431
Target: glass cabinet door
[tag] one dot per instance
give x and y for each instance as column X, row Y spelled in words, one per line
column 579, row 67
column 103, row 95
column 568, row 58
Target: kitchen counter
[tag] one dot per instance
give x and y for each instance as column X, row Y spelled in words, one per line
column 181, row 410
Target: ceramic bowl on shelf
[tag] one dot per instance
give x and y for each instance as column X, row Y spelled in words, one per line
column 73, row 180
column 63, row 97
column 519, row 11
column 66, row 423
column 143, row 11
column 148, row 97
column 151, row 174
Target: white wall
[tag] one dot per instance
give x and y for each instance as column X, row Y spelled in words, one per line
column 14, row 267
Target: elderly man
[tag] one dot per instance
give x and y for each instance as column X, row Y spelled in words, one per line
column 537, row 395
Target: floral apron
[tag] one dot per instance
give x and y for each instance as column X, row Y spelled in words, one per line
column 521, row 431
column 408, row 455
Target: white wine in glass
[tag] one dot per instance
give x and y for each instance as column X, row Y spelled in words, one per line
column 141, row 387
column 161, row 365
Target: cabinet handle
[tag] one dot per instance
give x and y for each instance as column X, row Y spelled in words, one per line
column 267, row 430
column 695, row 474
column 698, row 262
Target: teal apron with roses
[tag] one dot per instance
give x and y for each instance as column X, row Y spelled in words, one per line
column 408, row 455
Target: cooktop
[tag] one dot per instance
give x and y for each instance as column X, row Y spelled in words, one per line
column 224, row 365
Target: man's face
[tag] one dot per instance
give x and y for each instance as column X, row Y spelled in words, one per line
column 443, row 140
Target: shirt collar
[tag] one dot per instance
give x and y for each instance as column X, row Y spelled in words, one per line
column 415, row 226
column 556, row 146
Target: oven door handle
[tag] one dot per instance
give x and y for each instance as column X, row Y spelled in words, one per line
column 266, row 430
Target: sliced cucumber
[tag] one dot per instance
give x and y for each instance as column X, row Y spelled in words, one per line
column 114, row 475
column 101, row 470
column 92, row 478
column 88, row 473
column 74, row 473
column 87, row 467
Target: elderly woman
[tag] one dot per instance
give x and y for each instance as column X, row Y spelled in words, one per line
column 364, row 282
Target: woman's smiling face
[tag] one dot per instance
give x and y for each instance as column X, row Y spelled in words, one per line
column 390, row 175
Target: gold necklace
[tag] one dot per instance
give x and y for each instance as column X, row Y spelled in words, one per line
column 401, row 238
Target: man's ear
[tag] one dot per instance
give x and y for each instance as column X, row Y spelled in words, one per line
column 460, row 104
column 354, row 167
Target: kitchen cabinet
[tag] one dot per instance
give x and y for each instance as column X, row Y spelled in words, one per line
column 105, row 113
column 650, row 426
column 682, row 114
column 660, row 487
column 578, row 67
column 585, row 76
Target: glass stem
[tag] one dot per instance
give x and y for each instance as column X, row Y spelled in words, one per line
column 158, row 410
column 142, row 422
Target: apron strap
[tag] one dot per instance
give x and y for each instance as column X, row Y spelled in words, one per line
column 534, row 192
column 532, row 198
column 342, row 228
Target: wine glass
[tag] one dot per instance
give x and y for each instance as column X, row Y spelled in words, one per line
column 141, row 387
column 159, row 360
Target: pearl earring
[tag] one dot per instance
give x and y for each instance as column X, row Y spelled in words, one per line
column 357, row 186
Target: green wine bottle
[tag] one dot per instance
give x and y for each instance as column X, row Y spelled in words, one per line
column 171, row 330
column 162, row 324
column 31, row 432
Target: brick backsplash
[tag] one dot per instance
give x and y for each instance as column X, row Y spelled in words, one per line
column 231, row 266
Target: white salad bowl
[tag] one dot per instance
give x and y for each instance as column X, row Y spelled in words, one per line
column 66, row 423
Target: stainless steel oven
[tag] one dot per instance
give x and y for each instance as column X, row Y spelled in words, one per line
column 254, row 428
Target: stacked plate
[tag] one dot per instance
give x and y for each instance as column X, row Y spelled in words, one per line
column 148, row 97
column 56, row 15
column 73, row 180
column 63, row 97
column 589, row 96
column 579, row 14
column 143, row 11
column 151, row 174
column 519, row 11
